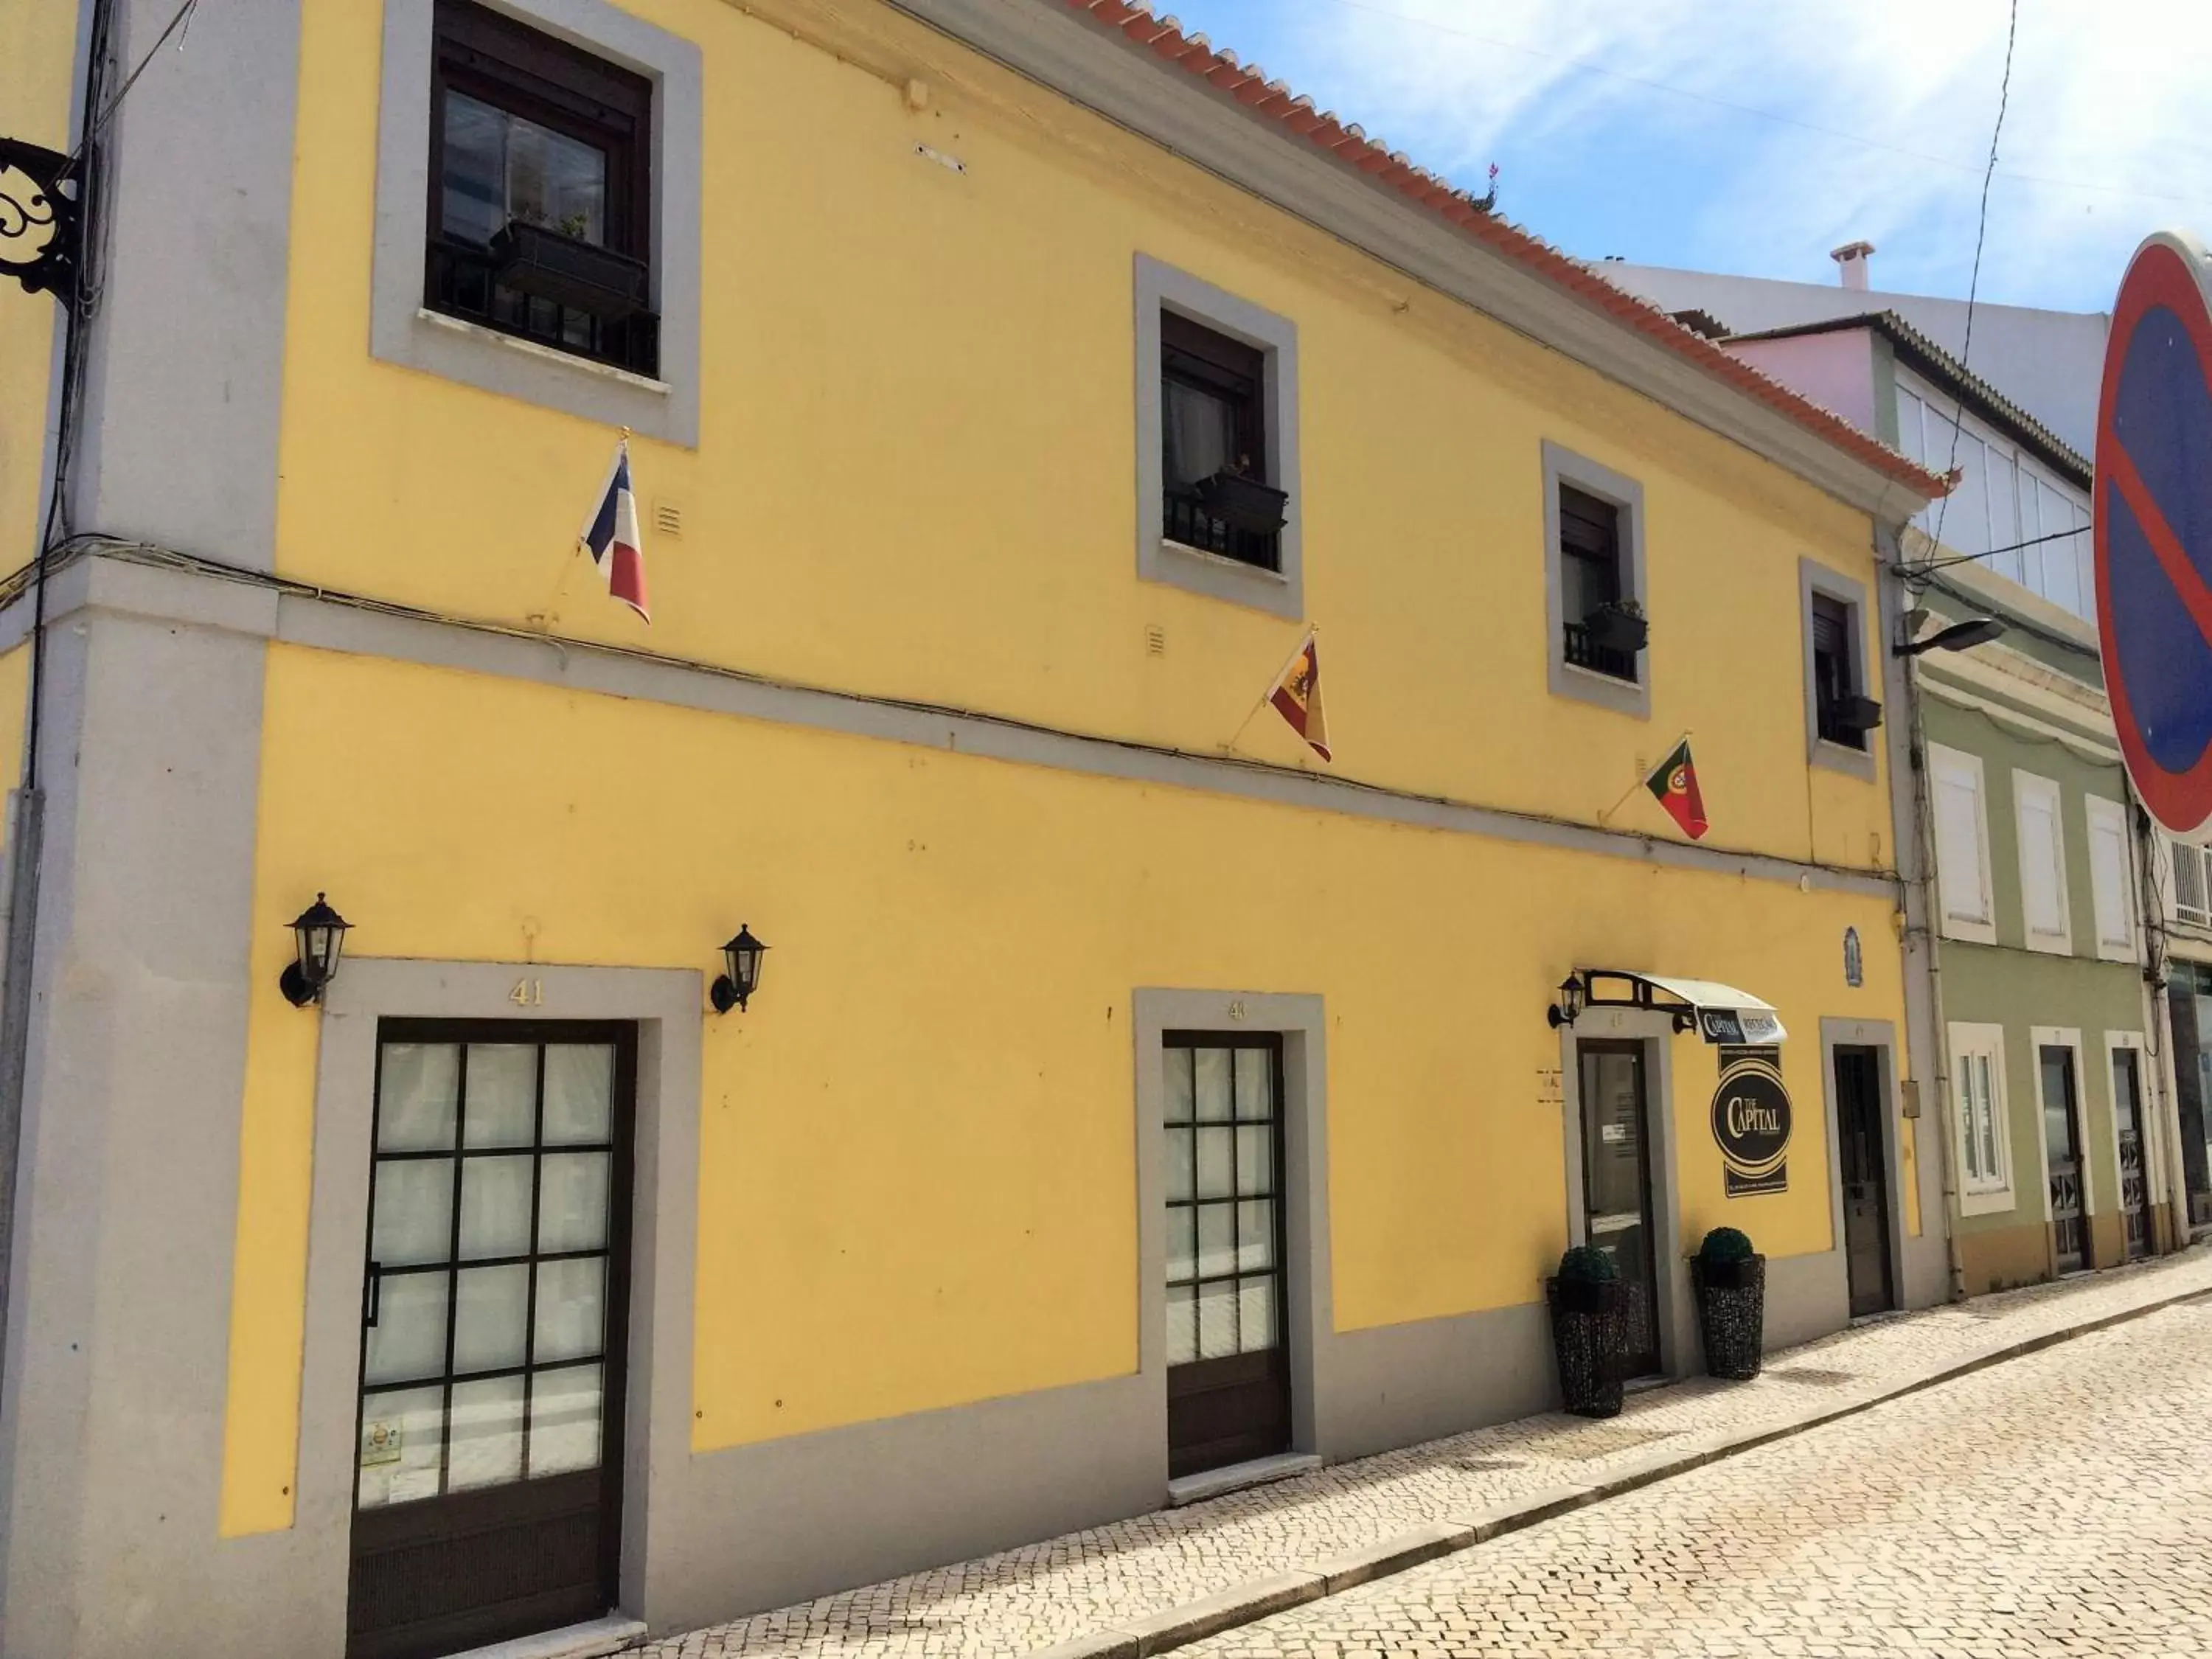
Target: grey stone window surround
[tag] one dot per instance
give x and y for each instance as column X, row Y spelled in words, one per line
column 1281, row 593
column 401, row 330
column 1814, row 577
column 1563, row 465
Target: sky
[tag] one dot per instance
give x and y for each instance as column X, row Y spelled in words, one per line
column 1751, row 137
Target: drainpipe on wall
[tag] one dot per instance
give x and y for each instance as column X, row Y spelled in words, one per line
column 1912, row 819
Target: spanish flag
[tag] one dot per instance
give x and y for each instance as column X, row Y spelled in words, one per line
column 1674, row 783
column 1296, row 695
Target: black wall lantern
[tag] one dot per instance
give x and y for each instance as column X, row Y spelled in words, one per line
column 741, row 959
column 1573, row 993
column 318, row 935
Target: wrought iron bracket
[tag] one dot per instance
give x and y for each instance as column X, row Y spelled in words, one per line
column 39, row 223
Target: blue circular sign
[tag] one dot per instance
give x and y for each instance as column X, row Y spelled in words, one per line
column 2153, row 519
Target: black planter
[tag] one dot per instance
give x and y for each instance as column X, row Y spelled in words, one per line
column 1613, row 630
column 534, row 260
column 1244, row 503
column 1858, row 713
column 1731, row 1315
column 1589, row 1339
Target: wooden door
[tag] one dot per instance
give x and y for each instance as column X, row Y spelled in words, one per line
column 2135, row 1174
column 2062, row 1137
column 1229, row 1373
column 1864, row 1171
column 1617, row 1186
column 488, row 1491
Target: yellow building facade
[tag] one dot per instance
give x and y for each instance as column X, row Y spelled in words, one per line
column 890, row 1255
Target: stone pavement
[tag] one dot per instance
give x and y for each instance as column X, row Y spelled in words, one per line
column 1170, row 1578
column 2061, row 1505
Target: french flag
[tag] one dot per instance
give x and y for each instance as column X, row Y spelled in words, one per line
column 612, row 539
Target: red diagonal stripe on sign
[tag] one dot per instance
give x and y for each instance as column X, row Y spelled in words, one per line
column 2172, row 558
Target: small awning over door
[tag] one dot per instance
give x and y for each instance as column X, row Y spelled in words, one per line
column 1720, row 1014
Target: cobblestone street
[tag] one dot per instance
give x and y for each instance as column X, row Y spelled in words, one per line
column 2055, row 1503
column 2058, row 1504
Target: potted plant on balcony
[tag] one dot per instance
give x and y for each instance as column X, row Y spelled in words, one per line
column 1618, row 625
column 542, row 260
column 1858, row 713
column 1242, row 502
column 1730, row 1279
column 1589, row 1331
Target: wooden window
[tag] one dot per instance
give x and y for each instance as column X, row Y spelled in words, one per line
column 2042, row 863
column 541, row 189
column 2107, row 821
column 1591, row 579
column 1962, row 844
column 1835, row 673
column 1977, row 1085
column 1213, row 421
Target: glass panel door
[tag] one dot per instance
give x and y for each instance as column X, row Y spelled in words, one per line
column 1228, row 1359
column 2063, row 1147
column 487, row 1482
column 1617, row 1186
column 2134, row 1177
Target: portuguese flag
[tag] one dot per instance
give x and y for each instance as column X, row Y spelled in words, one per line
column 1673, row 784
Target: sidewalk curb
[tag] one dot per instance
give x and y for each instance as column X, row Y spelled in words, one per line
column 1262, row 1598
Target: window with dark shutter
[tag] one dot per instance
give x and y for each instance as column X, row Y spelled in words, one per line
column 1834, row 681
column 1591, row 581
column 1213, row 441
column 540, row 190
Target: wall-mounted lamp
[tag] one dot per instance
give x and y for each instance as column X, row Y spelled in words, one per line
column 1574, row 996
column 1959, row 636
column 741, row 960
column 318, row 935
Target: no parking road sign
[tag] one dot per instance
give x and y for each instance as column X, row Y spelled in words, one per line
column 2153, row 520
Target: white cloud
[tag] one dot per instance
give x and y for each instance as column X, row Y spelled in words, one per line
column 2106, row 100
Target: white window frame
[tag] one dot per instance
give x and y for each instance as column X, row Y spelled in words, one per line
column 1981, row 1194
column 1985, row 931
column 2171, row 850
column 1281, row 592
column 2153, row 1163
column 403, row 331
column 2040, row 1037
column 2026, row 786
column 2100, row 813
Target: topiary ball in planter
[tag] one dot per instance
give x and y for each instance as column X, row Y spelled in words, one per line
column 1730, row 1279
column 1589, row 1331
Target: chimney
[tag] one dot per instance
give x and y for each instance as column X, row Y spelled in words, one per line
column 1851, row 262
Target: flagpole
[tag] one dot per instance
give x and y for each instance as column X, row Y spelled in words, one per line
column 1274, row 684
column 1642, row 782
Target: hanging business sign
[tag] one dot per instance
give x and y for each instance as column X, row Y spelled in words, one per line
column 2153, row 526
column 1751, row 1122
column 38, row 217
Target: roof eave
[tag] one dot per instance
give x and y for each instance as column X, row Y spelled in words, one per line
column 1438, row 240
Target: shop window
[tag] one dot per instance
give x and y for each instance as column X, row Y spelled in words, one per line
column 1977, row 1090
column 2107, row 825
column 2042, row 863
column 1217, row 443
column 1962, row 845
column 540, row 190
column 1594, row 583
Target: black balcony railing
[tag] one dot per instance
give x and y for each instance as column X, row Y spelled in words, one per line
column 461, row 281
column 1189, row 523
column 1830, row 718
column 1581, row 653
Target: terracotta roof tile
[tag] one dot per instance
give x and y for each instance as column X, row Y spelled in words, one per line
column 1295, row 116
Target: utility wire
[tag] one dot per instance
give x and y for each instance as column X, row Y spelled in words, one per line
column 183, row 19
column 1933, row 565
column 1981, row 235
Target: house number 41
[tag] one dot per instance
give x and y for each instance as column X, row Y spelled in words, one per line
column 528, row 993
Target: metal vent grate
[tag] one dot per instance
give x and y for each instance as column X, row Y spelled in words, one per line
column 667, row 519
